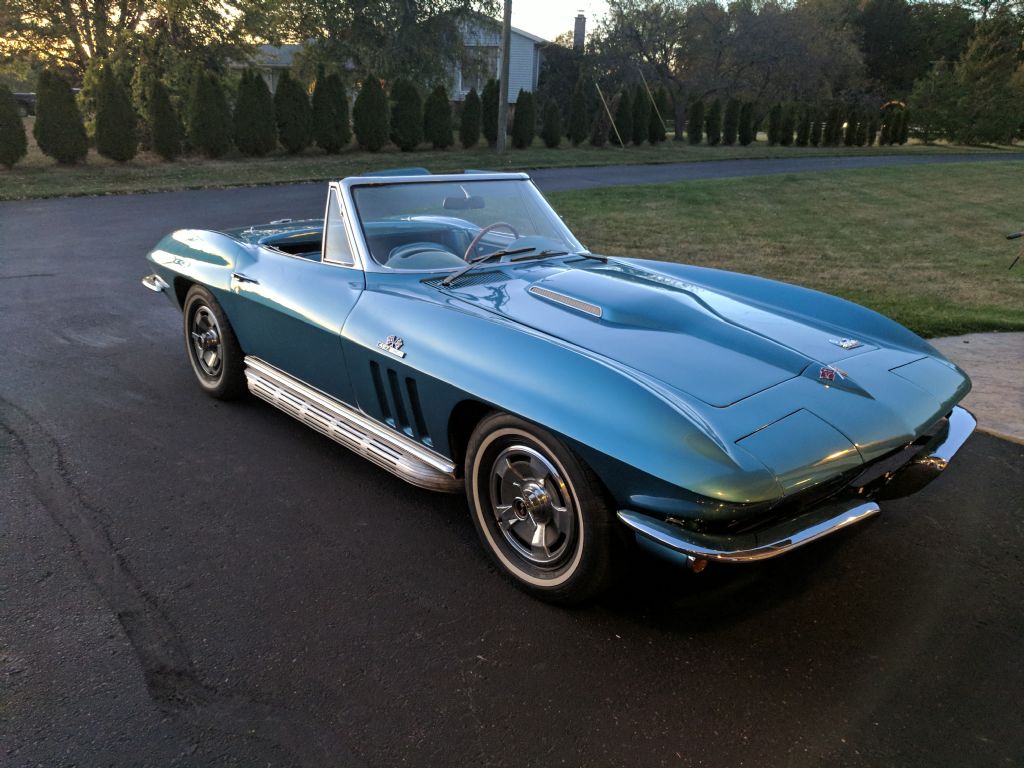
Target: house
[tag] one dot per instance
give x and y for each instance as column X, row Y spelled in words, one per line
column 272, row 60
column 481, row 38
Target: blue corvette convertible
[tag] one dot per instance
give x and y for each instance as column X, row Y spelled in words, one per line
column 452, row 330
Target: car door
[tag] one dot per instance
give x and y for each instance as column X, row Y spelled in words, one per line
column 292, row 308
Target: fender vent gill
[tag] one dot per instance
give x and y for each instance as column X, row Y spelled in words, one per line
column 569, row 301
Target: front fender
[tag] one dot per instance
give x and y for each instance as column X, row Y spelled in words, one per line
column 455, row 353
column 200, row 256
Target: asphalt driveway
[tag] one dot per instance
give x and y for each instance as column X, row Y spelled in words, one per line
column 186, row 582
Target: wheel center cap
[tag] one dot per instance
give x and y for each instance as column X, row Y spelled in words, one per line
column 207, row 340
column 534, row 503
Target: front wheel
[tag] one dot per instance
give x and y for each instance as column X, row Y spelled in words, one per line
column 213, row 350
column 539, row 510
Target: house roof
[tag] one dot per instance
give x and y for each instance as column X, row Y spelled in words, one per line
column 488, row 20
column 282, row 56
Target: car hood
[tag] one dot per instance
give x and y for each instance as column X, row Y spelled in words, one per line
column 710, row 345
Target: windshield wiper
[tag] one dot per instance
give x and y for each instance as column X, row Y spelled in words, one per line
column 482, row 260
column 546, row 254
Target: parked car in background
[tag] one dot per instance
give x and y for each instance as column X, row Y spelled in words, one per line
column 451, row 329
column 26, row 103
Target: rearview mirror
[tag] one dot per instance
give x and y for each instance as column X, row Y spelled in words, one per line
column 463, row 203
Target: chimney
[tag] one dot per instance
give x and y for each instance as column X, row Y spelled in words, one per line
column 579, row 32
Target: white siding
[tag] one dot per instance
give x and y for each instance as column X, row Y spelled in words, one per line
column 524, row 62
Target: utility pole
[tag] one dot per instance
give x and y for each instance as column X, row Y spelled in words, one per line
column 506, row 45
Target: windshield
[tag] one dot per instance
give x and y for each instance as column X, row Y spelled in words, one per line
column 442, row 225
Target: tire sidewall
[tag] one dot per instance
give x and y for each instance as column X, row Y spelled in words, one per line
column 586, row 569
column 226, row 384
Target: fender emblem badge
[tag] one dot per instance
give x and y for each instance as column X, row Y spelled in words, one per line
column 846, row 343
column 829, row 373
column 393, row 344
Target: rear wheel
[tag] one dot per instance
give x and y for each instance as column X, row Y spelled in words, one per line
column 539, row 510
column 213, row 350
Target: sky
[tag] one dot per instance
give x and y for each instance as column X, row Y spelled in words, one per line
column 549, row 18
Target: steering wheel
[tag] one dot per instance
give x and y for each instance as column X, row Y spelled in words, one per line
column 489, row 228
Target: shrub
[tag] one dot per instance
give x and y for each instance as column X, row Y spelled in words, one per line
column 437, row 118
column 331, row 130
column 59, row 130
column 860, row 136
column 406, row 115
column 579, row 122
column 165, row 127
column 656, row 128
column 524, row 121
column 731, row 123
column 13, row 144
column 115, row 119
column 209, row 119
column 803, row 128
column 641, row 115
column 293, row 114
column 872, row 130
column 787, row 127
column 850, row 131
column 832, row 131
column 816, row 131
column 255, row 124
column 623, row 119
column 774, row 125
column 904, row 127
column 469, row 120
column 370, row 116
column 745, row 133
column 713, row 122
column 489, row 111
column 552, row 130
column 695, row 122
column 599, row 129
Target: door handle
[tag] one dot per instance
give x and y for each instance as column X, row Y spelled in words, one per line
column 243, row 279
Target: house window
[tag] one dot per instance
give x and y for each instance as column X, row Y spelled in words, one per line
column 479, row 64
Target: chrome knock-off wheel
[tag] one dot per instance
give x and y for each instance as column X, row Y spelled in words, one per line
column 540, row 511
column 206, row 341
column 532, row 505
column 213, row 350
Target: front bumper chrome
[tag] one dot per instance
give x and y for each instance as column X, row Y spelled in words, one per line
column 155, row 283
column 900, row 475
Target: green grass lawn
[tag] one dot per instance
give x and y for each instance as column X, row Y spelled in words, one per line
column 39, row 176
column 924, row 245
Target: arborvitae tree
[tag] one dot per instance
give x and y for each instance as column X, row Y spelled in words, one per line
column 209, row 119
column 370, row 116
column 832, row 131
column 872, row 130
column 816, row 130
column 695, row 122
column 437, row 118
column 775, row 125
column 787, row 126
column 860, row 137
column 731, row 123
column 165, row 126
column 406, row 115
column 641, row 115
column 599, row 129
column 13, row 144
column 885, row 135
column 713, row 122
column 59, row 130
column 331, row 130
column 469, row 123
column 803, row 128
column 293, row 114
column 255, row 125
column 746, row 127
column 115, row 119
column 850, row 131
column 656, row 129
column 623, row 118
column 489, row 111
column 579, row 120
column 552, row 130
column 904, row 132
column 524, row 121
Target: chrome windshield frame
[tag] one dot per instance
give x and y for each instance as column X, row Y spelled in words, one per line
column 369, row 264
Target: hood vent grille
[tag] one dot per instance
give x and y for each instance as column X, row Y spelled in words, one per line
column 569, row 301
column 473, row 278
